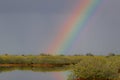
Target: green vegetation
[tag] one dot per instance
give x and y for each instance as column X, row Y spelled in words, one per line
column 39, row 59
column 83, row 67
column 96, row 68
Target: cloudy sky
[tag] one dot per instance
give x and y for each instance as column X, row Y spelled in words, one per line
column 29, row 26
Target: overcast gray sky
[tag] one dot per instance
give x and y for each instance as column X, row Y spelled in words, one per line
column 29, row 26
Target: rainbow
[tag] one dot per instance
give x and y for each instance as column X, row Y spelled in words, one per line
column 72, row 28
column 80, row 20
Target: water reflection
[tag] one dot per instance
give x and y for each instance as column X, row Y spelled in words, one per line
column 35, row 69
column 34, row 73
column 29, row 75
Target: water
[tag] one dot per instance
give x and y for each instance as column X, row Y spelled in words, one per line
column 32, row 75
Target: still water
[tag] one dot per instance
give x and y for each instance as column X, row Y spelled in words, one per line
column 33, row 75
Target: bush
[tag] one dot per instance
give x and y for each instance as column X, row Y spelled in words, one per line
column 95, row 68
column 111, row 54
column 89, row 54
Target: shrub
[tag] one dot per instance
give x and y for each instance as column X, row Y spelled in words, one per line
column 111, row 54
column 95, row 68
column 89, row 54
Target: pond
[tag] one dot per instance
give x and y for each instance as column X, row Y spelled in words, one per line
column 27, row 73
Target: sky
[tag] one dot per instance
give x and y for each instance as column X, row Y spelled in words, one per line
column 29, row 26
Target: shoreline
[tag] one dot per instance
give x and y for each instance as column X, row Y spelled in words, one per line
column 32, row 65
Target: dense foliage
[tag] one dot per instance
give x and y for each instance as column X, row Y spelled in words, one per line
column 96, row 68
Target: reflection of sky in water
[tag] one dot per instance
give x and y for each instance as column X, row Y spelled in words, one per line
column 29, row 75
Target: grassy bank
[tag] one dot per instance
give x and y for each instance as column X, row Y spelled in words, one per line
column 38, row 59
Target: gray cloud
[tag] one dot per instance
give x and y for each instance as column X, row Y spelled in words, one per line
column 39, row 6
column 29, row 26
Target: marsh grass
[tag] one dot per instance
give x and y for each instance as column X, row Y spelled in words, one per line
column 38, row 59
column 96, row 68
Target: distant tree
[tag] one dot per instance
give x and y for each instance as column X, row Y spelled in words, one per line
column 77, row 54
column 44, row 54
column 61, row 55
column 111, row 54
column 6, row 54
column 23, row 55
column 89, row 54
column 48, row 54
